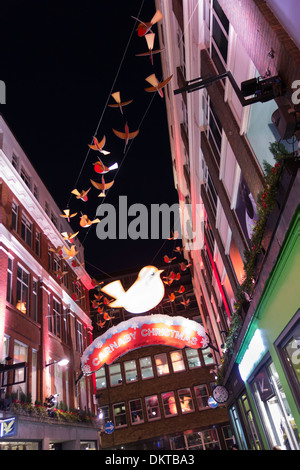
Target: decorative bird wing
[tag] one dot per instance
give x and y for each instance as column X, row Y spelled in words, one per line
column 99, row 167
column 143, row 27
column 114, row 289
column 102, row 186
column 126, row 135
column 86, row 222
column 56, row 250
column 99, row 146
column 156, row 85
column 81, row 195
column 168, row 260
column 70, row 253
column 119, row 103
column 69, row 236
column 67, row 214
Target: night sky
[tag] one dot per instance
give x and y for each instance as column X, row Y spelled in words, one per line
column 60, row 62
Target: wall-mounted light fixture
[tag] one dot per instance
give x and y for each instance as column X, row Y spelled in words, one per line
column 62, row 362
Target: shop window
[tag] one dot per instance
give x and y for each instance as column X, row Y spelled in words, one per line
column 288, row 347
column 185, row 400
column 22, row 290
column 115, row 375
column 161, row 362
column 210, row 439
column 119, row 413
column 152, row 407
column 20, row 355
column 130, row 371
column 177, row 361
column 228, row 436
column 201, row 394
column 238, row 430
column 169, row 404
column 250, row 423
column 146, row 368
column 277, row 419
column 192, row 358
column 136, row 411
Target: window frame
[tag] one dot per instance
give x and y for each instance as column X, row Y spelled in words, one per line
column 149, row 408
column 134, row 423
column 166, row 363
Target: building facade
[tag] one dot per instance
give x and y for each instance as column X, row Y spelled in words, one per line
column 157, row 397
column 44, row 305
column 233, row 127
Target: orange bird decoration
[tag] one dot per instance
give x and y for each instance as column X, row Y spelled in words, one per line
column 172, row 297
column 168, row 260
column 70, row 253
column 156, row 85
column 69, row 236
column 150, row 43
column 144, row 28
column 81, row 195
column 174, row 236
column 178, row 249
column 126, row 135
column 101, row 324
column 107, row 317
column 181, row 290
column 85, row 222
column 117, row 97
column 185, row 302
column 99, row 167
column 75, row 264
column 102, row 186
column 67, row 215
column 184, row 266
column 60, row 274
column 99, row 145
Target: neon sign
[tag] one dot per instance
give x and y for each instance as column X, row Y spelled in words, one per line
column 142, row 331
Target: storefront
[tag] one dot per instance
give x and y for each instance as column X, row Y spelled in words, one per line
column 265, row 381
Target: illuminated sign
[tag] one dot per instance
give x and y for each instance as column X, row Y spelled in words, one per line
column 8, row 427
column 142, row 331
column 252, row 356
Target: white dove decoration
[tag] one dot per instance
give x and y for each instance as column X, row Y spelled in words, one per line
column 144, row 294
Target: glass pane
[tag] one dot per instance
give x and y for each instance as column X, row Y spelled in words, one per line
column 115, row 374
column 193, row 358
column 152, row 406
column 100, row 378
column 162, row 366
column 169, row 404
column 186, row 401
column 177, row 361
column 130, row 371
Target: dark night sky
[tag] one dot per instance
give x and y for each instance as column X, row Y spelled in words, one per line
column 60, row 62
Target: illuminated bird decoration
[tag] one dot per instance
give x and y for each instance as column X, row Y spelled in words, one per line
column 69, row 236
column 181, row 290
column 102, row 186
column 184, row 266
column 156, row 85
column 70, row 252
column 172, row 297
column 107, row 317
column 67, row 215
column 174, row 236
column 99, row 167
column 119, row 104
column 60, row 274
column 144, row 28
column 96, row 283
column 144, row 294
column 150, row 43
column 75, row 264
column 168, row 260
column 126, row 135
column 85, row 222
column 76, row 298
column 185, row 302
column 81, row 195
column 57, row 250
column 99, row 145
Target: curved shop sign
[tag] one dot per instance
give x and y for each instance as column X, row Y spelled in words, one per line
column 142, row 331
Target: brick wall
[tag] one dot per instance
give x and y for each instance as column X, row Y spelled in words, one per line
column 260, row 31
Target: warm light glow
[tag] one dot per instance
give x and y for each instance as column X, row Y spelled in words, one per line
column 63, row 362
column 21, row 306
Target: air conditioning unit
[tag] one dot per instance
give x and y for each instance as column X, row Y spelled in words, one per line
column 285, row 122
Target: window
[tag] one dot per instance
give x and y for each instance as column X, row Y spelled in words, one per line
column 54, row 219
column 210, row 439
column 100, row 376
column 35, row 299
column 14, row 216
column 26, row 177
column 207, row 356
column 34, row 376
column 228, row 436
column 119, row 413
column 169, row 404
column 36, row 192
column 161, row 362
column 103, row 413
column 65, row 324
column 185, row 400
column 9, row 280
column 15, row 162
column 146, row 367
column 26, row 230
column 49, row 259
column 47, row 210
column 177, row 361
column 22, row 290
column 115, row 374
column 55, row 323
column 37, row 243
column 152, row 407
column 56, row 262
column 79, row 336
column 130, row 371
column 20, row 355
column 193, row 358
column 201, row 394
column 136, row 411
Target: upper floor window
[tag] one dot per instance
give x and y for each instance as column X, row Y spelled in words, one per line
column 115, row 374
column 169, row 404
column 15, row 162
column 9, row 280
column 130, row 371
column 186, row 401
column 14, row 216
column 36, row 192
column 34, row 299
column 79, row 336
column 26, row 230
column 177, row 361
column 193, row 358
column 201, row 394
column 162, row 366
column 26, row 177
column 100, row 376
column 152, row 407
column 146, row 367
column 47, row 210
column 136, row 411
column 38, row 242
column 22, row 290
column 119, row 412
column 56, row 318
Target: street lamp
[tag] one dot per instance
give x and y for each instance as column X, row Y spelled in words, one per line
column 62, row 362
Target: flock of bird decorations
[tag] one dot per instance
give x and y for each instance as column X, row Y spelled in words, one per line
column 101, row 303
